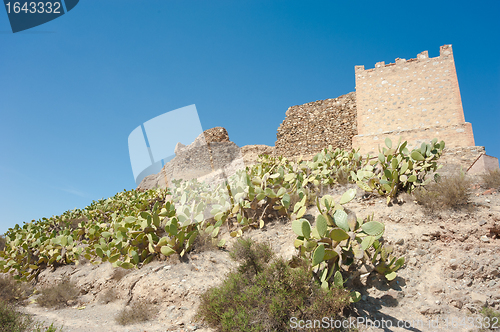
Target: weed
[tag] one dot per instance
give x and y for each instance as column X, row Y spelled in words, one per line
column 252, row 256
column 139, row 311
column 492, row 179
column 12, row 290
column 491, row 319
column 119, row 273
column 108, row 296
column 204, row 242
column 449, row 192
column 343, row 177
column 11, row 320
column 58, row 295
column 269, row 300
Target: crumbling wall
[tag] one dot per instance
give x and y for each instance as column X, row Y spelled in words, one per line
column 209, row 152
column 309, row 128
column 417, row 99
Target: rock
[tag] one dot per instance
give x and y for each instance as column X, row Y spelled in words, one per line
column 457, row 303
column 427, row 309
column 479, row 299
column 421, row 252
column 178, row 148
column 482, row 222
column 489, row 191
column 484, row 238
column 457, row 274
column 400, row 242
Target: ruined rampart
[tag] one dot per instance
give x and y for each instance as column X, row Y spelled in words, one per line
column 211, row 151
column 309, row 128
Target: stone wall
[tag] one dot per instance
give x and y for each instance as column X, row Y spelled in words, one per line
column 461, row 158
column 211, row 151
column 309, row 128
column 483, row 164
column 251, row 152
column 418, row 99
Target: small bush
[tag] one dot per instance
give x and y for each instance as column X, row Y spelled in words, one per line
column 12, row 290
column 491, row 318
column 119, row 273
column 108, row 296
column 268, row 300
column 252, row 256
column 139, row 311
column 58, row 296
column 203, row 242
column 448, row 192
column 343, row 177
column 11, row 320
column 492, row 179
column 3, row 242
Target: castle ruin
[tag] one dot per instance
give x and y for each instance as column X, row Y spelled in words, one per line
column 416, row 99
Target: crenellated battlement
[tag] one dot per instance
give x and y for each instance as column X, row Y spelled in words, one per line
column 414, row 98
column 445, row 52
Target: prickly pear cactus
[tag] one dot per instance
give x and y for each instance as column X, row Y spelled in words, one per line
column 398, row 169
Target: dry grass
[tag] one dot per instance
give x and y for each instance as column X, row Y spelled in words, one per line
column 139, row 311
column 119, row 273
column 449, row 192
column 492, row 179
column 203, row 242
column 108, row 296
column 58, row 295
column 13, row 291
column 11, row 320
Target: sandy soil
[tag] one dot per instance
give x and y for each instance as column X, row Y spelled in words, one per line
column 452, row 269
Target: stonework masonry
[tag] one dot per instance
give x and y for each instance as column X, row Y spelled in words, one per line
column 417, row 99
column 211, row 151
column 309, row 128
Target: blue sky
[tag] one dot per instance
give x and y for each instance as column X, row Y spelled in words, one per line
column 73, row 89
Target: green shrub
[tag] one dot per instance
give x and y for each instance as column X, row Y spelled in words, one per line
column 269, row 299
column 252, row 256
column 491, row 319
column 139, row 311
column 58, row 295
column 447, row 192
column 2, row 242
column 11, row 320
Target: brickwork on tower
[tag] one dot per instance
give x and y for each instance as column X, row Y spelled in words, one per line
column 417, row 99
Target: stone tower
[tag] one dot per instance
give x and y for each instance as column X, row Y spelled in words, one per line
column 417, row 99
